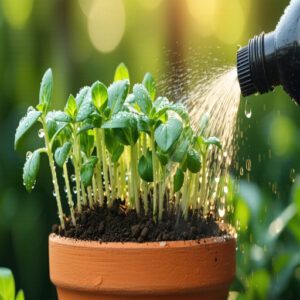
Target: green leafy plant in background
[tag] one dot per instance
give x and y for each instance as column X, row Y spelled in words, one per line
column 121, row 143
column 7, row 286
column 268, row 257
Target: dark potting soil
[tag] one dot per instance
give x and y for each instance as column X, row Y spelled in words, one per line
column 116, row 224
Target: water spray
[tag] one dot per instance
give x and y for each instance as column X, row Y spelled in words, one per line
column 273, row 59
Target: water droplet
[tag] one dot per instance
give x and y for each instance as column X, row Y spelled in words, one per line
column 248, row 165
column 30, row 109
column 41, row 133
column 74, row 190
column 217, row 179
column 241, row 171
column 293, row 175
column 274, row 188
column 28, row 154
column 65, row 189
column 270, row 153
column 248, row 112
column 73, row 178
column 54, row 193
column 225, row 189
column 221, row 211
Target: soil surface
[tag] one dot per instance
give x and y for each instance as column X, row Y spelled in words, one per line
column 116, row 224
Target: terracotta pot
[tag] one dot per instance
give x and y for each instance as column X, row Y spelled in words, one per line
column 160, row 270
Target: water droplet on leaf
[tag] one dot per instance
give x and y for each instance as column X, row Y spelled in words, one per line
column 41, row 133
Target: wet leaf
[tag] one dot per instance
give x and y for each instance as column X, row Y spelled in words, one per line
column 62, row 153
column 25, row 124
column 178, row 180
column 166, row 134
column 145, row 167
column 31, row 169
column 87, row 171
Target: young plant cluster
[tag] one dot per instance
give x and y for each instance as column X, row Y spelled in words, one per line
column 119, row 143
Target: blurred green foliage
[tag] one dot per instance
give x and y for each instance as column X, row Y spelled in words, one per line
column 180, row 42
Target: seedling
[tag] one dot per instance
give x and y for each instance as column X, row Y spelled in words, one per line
column 7, row 286
column 121, row 143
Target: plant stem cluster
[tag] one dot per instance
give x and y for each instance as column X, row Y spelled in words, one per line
column 120, row 143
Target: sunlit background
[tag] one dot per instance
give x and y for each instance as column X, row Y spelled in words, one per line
column 180, row 42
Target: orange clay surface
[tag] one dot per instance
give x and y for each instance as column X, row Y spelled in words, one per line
column 83, row 270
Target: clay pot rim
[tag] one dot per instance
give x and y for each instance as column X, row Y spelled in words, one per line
column 54, row 238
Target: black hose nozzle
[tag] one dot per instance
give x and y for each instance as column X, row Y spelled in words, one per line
column 273, row 59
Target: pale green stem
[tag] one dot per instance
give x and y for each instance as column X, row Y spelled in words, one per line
column 116, row 179
column 154, row 175
column 161, row 193
column 203, row 180
column 77, row 167
column 195, row 190
column 145, row 185
column 184, row 197
column 90, row 197
column 105, row 167
column 84, row 198
column 111, row 178
column 134, row 176
column 95, row 191
column 98, row 178
column 54, row 176
column 69, row 193
column 122, row 178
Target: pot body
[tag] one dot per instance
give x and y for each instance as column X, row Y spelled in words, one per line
column 188, row 270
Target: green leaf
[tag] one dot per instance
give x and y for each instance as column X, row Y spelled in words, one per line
column 51, row 126
column 121, row 72
column 99, row 95
column 296, row 194
column 71, row 107
column 111, row 142
column 20, row 295
column 143, row 124
column 122, row 119
column 142, row 98
column 25, row 124
column 31, row 169
column 117, row 153
column 60, row 116
column 180, row 150
column 83, row 94
column 213, row 141
column 87, row 171
column 203, row 123
column 181, row 110
column 178, row 180
column 7, row 284
column 62, row 153
column 46, row 90
column 193, row 161
column 117, row 93
column 150, row 85
column 166, row 134
column 87, row 142
column 161, row 105
column 163, row 158
column 145, row 167
column 85, row 110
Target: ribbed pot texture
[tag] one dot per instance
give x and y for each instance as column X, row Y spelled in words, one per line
column 188, row 270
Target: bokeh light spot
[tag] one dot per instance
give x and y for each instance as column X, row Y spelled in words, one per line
column 106, row 24
column 282, row 135
column 150, row 4
column 230, row 21
column 86, row 6
column 204, row 12
column 17, row 12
